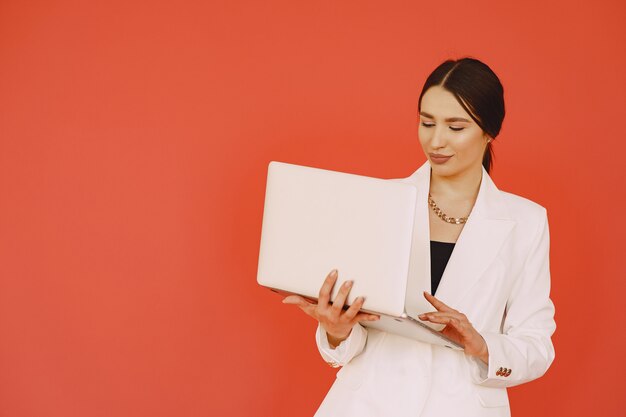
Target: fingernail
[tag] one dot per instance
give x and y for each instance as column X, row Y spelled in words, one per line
column 422, row 316
column 333, row 273
column 348, row 284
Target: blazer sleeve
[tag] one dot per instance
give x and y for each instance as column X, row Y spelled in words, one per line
column 523, row 351
column 346, row 350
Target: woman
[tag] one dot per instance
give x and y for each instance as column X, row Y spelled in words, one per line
column 489, row 270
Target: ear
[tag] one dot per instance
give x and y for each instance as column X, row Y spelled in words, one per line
column 487, row 138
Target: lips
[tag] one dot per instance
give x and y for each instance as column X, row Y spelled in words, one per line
column 439, row 159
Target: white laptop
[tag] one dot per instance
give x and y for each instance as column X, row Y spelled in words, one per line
column 315, row 220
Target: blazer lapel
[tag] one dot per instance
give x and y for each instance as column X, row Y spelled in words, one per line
column 484, row 233
column 486, row 230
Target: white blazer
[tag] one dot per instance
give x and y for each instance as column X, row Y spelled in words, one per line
column 499, row 277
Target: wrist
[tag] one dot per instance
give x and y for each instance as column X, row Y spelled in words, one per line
column 483, row 355
column 334, row 340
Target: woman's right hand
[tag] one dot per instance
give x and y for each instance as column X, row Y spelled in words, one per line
column 336, row 321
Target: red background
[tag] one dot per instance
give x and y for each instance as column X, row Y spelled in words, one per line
column 134, row 143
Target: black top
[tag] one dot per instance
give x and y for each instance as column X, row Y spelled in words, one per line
column 439, row 255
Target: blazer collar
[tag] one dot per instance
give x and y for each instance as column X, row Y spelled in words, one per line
column 487, row 228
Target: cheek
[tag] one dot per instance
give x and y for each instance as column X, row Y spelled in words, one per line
column 470, row 145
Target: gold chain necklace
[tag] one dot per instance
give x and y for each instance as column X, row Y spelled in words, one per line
column 443, row 216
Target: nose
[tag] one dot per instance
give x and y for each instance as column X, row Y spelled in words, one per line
column 437, row 140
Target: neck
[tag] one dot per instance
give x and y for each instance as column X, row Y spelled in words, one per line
column 463, row 186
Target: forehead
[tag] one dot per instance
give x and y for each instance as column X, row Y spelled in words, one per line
column 440, row 103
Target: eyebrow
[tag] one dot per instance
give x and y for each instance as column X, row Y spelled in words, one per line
column 449, row 119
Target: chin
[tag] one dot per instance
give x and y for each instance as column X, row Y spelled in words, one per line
column 451, row 170
column 444, row 170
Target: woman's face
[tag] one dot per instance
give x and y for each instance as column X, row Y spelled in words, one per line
column 453, row 143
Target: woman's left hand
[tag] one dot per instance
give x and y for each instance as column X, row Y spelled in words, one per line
column 458, row 328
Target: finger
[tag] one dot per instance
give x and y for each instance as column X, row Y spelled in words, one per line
column 458, row 326
column 366, row 317
column 340, row 300
column 438, row 304
column 450, row 322
column 435, row 319
column 297, row 300
column 305, row 305
column 459, row 318
column 327, row 286
column 452, row 314
column 354, row 308
column 443, row 318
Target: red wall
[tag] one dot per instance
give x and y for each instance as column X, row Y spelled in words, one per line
column 134, row 143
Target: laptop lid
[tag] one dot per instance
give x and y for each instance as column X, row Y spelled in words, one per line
column 315, row 220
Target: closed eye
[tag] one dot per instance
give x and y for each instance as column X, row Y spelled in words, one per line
column 453, row 128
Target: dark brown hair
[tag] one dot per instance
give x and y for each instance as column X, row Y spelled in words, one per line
column 477, row 89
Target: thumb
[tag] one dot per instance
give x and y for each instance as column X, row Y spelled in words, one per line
column 296, row 300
